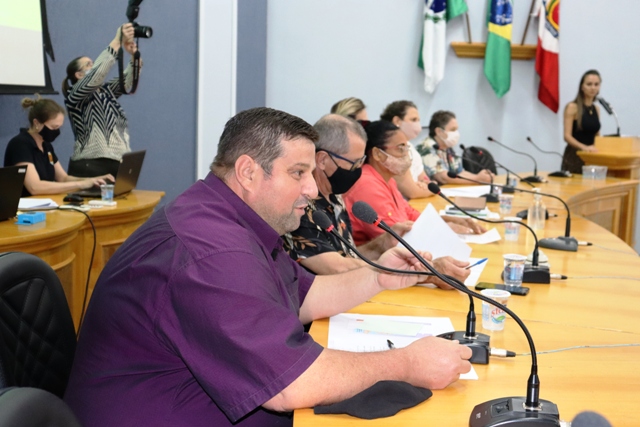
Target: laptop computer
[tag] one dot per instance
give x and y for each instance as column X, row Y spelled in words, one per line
column 11, row 182
column 127, row 178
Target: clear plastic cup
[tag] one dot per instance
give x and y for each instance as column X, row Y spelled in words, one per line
column 506, row 201
column 493, row 318
column 512, row 229
column 513, row 269
column 107, row 192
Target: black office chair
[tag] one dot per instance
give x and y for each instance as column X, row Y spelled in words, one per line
column 33, row 407
column 37, row 336
column 475, row 159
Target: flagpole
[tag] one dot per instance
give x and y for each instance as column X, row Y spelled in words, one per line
column 526, row 28
column 466, row 18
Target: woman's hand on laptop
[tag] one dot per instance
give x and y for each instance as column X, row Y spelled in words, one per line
column 97, row 181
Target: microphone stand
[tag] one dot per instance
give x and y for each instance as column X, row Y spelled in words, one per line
column 534, row 273
column 491, row 197
column 477, row 342
column 506, row 411
column 508, row 188
column 562, row 243
column 535, row 177
column 610, row 111
column 559, row 174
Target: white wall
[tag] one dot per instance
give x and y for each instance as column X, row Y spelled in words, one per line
column 320, row 51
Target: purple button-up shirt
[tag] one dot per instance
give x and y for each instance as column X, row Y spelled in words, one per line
column 194, row 321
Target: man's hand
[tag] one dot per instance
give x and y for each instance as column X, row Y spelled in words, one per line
column 400, row 259
column 464, row 225
column 451, row 267
column 435, row 363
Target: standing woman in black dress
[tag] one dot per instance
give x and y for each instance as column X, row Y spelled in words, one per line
column 581, row 122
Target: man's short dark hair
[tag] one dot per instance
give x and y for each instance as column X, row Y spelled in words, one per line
column 439, row 120
column 257, row 133
column 333, row 131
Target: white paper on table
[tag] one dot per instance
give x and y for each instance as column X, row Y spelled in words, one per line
column 29, row 203
column 481, row 239
column 365, row 333
column 430, row 233
column 485, row 213
column 471, row 191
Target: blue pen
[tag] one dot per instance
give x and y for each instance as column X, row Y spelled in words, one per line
column 477, row 263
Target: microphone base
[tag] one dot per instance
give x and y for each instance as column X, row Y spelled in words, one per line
column 561, row 174
column 534, row 178
column 561, row 243
column 479, row 345
column 539, row 274
column 508, row 190
column 510, row 411
column 491, row 198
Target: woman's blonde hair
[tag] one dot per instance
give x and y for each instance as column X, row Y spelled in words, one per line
column 41, row 109
column 348, row 107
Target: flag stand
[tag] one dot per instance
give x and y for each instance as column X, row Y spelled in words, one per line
column 526, row 27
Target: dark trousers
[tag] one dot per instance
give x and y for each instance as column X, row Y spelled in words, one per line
column 87, row 168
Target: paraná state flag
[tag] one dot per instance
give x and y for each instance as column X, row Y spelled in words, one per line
column 497, row 59
column 547, row 53
column 433, row 49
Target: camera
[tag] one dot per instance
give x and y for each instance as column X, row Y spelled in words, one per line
column 139, row 31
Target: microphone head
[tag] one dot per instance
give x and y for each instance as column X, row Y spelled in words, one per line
column 590, row 419
column 321, row 220
column 490, row 139
column 364, row 212
column 529, row 139
column 462, row 147
column 434, row 188
column 451, row 174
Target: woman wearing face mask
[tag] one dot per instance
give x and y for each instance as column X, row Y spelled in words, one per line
column 581, row 122
column 404, row 114
column 387, row 157
column 98, row 121
column 33, row 148
column 437, row 152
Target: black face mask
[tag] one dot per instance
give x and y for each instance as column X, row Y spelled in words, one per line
column 49, row 135
column 342, row 179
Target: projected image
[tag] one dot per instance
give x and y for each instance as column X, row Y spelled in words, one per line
column 21, row 43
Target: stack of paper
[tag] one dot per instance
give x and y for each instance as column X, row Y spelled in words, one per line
column 35, row 204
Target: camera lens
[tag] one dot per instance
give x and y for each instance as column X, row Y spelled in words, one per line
column 143, row 32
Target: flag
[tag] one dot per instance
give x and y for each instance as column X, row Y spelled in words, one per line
column 497, row 58
column 547, row 53
column 433, row 45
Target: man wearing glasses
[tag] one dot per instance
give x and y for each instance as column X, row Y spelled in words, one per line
column 339, row 158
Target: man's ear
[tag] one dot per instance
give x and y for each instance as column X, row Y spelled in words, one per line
column 322, row 157
column 246, row 171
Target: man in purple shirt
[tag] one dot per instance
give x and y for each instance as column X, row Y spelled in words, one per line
column 197, row 319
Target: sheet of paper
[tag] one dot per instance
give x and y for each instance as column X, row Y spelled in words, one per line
column 30, row 203
column 481, row 239
column 364, row 333
column 471, row 191
column 431, row 233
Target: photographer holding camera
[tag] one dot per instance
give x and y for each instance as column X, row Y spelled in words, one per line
column 97, row 119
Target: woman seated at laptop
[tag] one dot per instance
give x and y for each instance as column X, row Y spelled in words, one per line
column 33, row 148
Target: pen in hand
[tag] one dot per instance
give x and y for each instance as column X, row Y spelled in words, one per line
column 391, row 345
column 476, row 263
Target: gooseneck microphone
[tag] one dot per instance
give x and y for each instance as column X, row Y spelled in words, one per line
column 535, row 177
column 610, row 111
column 532, row 274
column 562, row 243
column 559, row 174
column 477, row 342
column 506, row 411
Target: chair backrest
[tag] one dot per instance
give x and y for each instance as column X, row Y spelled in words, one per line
column 33, row 407
column 37, row 336
column 475, row 159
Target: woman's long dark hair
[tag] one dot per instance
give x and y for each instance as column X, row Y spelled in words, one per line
column 71, row 79
column 580, row 96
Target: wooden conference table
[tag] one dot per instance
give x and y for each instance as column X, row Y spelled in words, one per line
column 65, row 240
column 578, row 312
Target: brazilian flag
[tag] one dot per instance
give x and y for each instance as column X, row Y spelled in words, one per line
column 497, row 58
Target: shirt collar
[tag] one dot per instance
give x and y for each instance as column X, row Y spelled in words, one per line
column 250, row 219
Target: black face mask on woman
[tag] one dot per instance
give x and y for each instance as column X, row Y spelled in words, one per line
column 49, row 135
column 342, row 179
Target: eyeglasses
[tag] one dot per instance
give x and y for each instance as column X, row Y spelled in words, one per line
column 354, row 165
